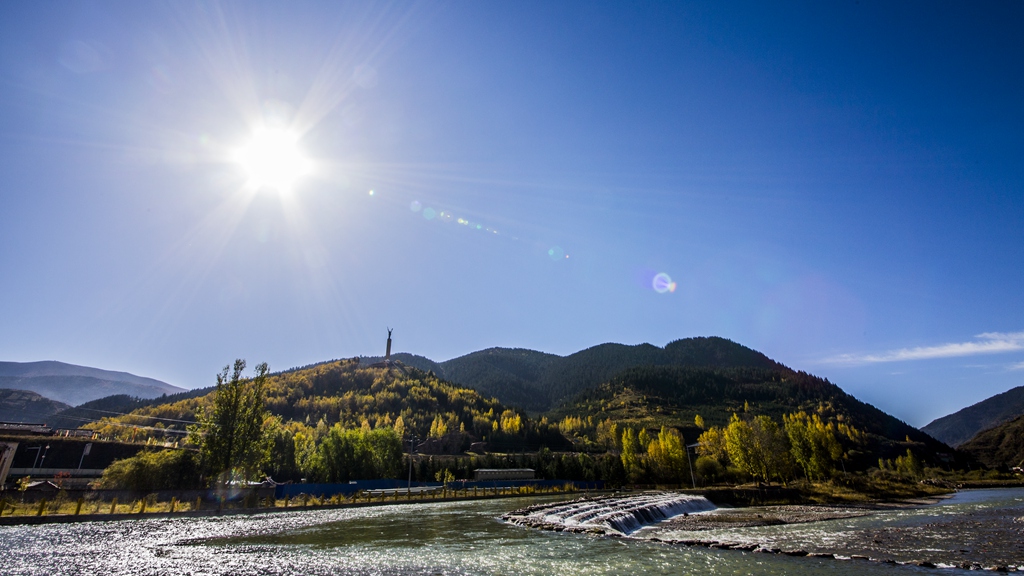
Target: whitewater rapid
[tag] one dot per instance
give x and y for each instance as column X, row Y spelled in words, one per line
column 610, row 514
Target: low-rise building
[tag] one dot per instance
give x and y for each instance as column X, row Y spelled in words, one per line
column 488, row 474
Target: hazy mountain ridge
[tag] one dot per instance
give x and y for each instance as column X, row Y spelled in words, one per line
column 74, row 385
column 963, row 425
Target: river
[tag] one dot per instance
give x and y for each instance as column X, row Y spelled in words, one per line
column 463, row 538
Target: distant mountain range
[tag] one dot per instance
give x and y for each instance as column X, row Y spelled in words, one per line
column 74, row 385
column 959, row 427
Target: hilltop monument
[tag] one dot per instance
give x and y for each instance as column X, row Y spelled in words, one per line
column 388, row 362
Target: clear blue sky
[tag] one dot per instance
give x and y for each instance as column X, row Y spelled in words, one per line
column 837, row 184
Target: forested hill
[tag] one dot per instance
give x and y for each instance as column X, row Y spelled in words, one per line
column 614, row 388
column 999, row 447
column 29, row 407
column 413, row 360
column 353, row 395
column 513, row 375
column 537, row 381
column 653, row 396
column 115, row 404
column 961, row 426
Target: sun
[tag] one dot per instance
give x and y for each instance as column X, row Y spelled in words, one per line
column 272, row 159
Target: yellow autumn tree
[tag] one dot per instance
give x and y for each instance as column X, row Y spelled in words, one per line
column 667, row 455
column 438, row 428
column 631, row 455
column 511, row 423
column 814, row 444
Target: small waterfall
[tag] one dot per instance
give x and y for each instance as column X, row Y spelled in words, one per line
column 621, row 514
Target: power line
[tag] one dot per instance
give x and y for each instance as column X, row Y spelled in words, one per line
column 137, row 415
column 126, row 425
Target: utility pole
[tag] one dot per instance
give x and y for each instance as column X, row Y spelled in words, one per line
column 39, row 450
column 693, row 479
column 412, row 448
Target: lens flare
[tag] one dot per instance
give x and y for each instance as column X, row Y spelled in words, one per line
column 663, row 283
column 447, row 217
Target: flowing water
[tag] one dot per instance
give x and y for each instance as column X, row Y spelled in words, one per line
column 442, row 538
column 613, row 514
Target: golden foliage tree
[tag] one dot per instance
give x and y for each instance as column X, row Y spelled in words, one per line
column 234, row 437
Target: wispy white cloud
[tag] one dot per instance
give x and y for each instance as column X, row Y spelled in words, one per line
column 986, row 343
column 1017, row 366
column 1001, row 335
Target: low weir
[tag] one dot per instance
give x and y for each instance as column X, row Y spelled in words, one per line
column 609, row 514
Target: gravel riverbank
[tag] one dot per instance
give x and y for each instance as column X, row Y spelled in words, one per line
column 757, row 516
column 984, row 530
column 982, row 538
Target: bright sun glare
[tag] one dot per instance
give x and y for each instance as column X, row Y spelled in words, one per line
column 272, row 159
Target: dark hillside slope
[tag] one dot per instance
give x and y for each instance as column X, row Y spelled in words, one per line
column 95, row 410
column 717, row 352
column 961, row 426
column 114, row 405
column 537, row 381
column 589, row 368
column 28, row 407
column 512, row 375
column 1001, row 446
